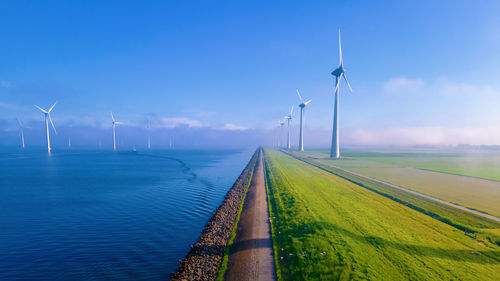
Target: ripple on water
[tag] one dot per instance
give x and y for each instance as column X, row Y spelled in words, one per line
column 100, row 215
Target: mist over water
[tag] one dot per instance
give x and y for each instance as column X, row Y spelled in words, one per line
column 92, row 215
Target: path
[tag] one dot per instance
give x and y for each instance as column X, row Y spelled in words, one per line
column 251, row 255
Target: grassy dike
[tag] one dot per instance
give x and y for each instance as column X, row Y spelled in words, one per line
column 205, row 257
column 327, row 228
column 483, row 229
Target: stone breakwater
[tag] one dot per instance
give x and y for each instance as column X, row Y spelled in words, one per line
column 205, row 256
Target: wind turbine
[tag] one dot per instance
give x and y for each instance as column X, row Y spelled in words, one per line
column 302, row 106
column 282, row 123
column 114, row 122
column 338, row 73
column 47, row 119
column 22, row 131
column 289, row 118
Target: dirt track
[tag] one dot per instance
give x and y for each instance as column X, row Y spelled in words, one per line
column 251, row 255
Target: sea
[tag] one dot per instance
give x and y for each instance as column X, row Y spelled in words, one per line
column 103, row 215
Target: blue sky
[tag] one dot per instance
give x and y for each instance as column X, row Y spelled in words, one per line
column 422, row 72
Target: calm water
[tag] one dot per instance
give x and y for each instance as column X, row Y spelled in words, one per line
column 103, row 215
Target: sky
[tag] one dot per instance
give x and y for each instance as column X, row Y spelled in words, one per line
column 222, row 73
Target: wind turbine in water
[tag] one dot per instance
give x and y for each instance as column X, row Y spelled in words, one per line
column 114, row 122
column 338, row 73
column 47, row 119
column 302, row 106
column 289, row 119
column 21, row 128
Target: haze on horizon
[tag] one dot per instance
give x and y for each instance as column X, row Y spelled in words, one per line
column 222, row 75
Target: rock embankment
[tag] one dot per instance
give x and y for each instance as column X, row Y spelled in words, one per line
column 205, row 256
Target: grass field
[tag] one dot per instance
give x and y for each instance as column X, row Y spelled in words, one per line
column 474, row 164
column 325, row 227
column 479, row 194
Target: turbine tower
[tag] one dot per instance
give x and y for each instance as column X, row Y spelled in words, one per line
column 21, row 128
column 289, row 118
column 338, row 73
column 47, row 119
column 114, row 122
column 302, row 106
column 282, row 123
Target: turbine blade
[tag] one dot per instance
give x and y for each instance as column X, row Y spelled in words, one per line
column 307, row 102
column 20, row 123
column 40, row 109
column 338, row 83
column 112, row 117
column 52, row 123
column 349, row 85
column 300, row 97
column 340, row 49
column 52, row 107
column 291, row 112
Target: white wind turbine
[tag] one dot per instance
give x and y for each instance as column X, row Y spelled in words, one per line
column 338, row 73
column 302, row 106
column 282, row 123
column 114, row 122
column 47, row 119
column 21, row 128
column 289, row 119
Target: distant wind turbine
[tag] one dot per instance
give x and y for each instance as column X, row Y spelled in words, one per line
column 21, row 128
column 282, row 123
column 302, row 106
column 69, row 142
column 47, row 119
column 338, row 73
column 114, row 122
column 289, row 119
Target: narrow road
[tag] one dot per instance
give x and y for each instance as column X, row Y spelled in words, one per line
column 251, row 255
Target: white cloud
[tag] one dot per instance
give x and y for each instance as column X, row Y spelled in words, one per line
column 402, row 86
column 9, row 106
column 231, row 127
column 422, row 136
column 174, row 122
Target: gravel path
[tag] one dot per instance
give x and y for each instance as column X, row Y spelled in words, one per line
column 251, row 255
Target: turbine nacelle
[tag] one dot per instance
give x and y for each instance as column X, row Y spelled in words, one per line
column 47, row 115
column 302, row 103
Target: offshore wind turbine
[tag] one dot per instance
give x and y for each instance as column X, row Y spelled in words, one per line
column 47, row 119
column 338, row 73
column 21, row 128
column 114, row 122
column 302, row 106
column 289, row 119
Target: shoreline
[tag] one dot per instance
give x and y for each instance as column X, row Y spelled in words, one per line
column 205, row 257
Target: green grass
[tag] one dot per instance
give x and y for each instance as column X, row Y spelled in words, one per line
column 474, row 164
column 332, row 229
column 479, row 194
